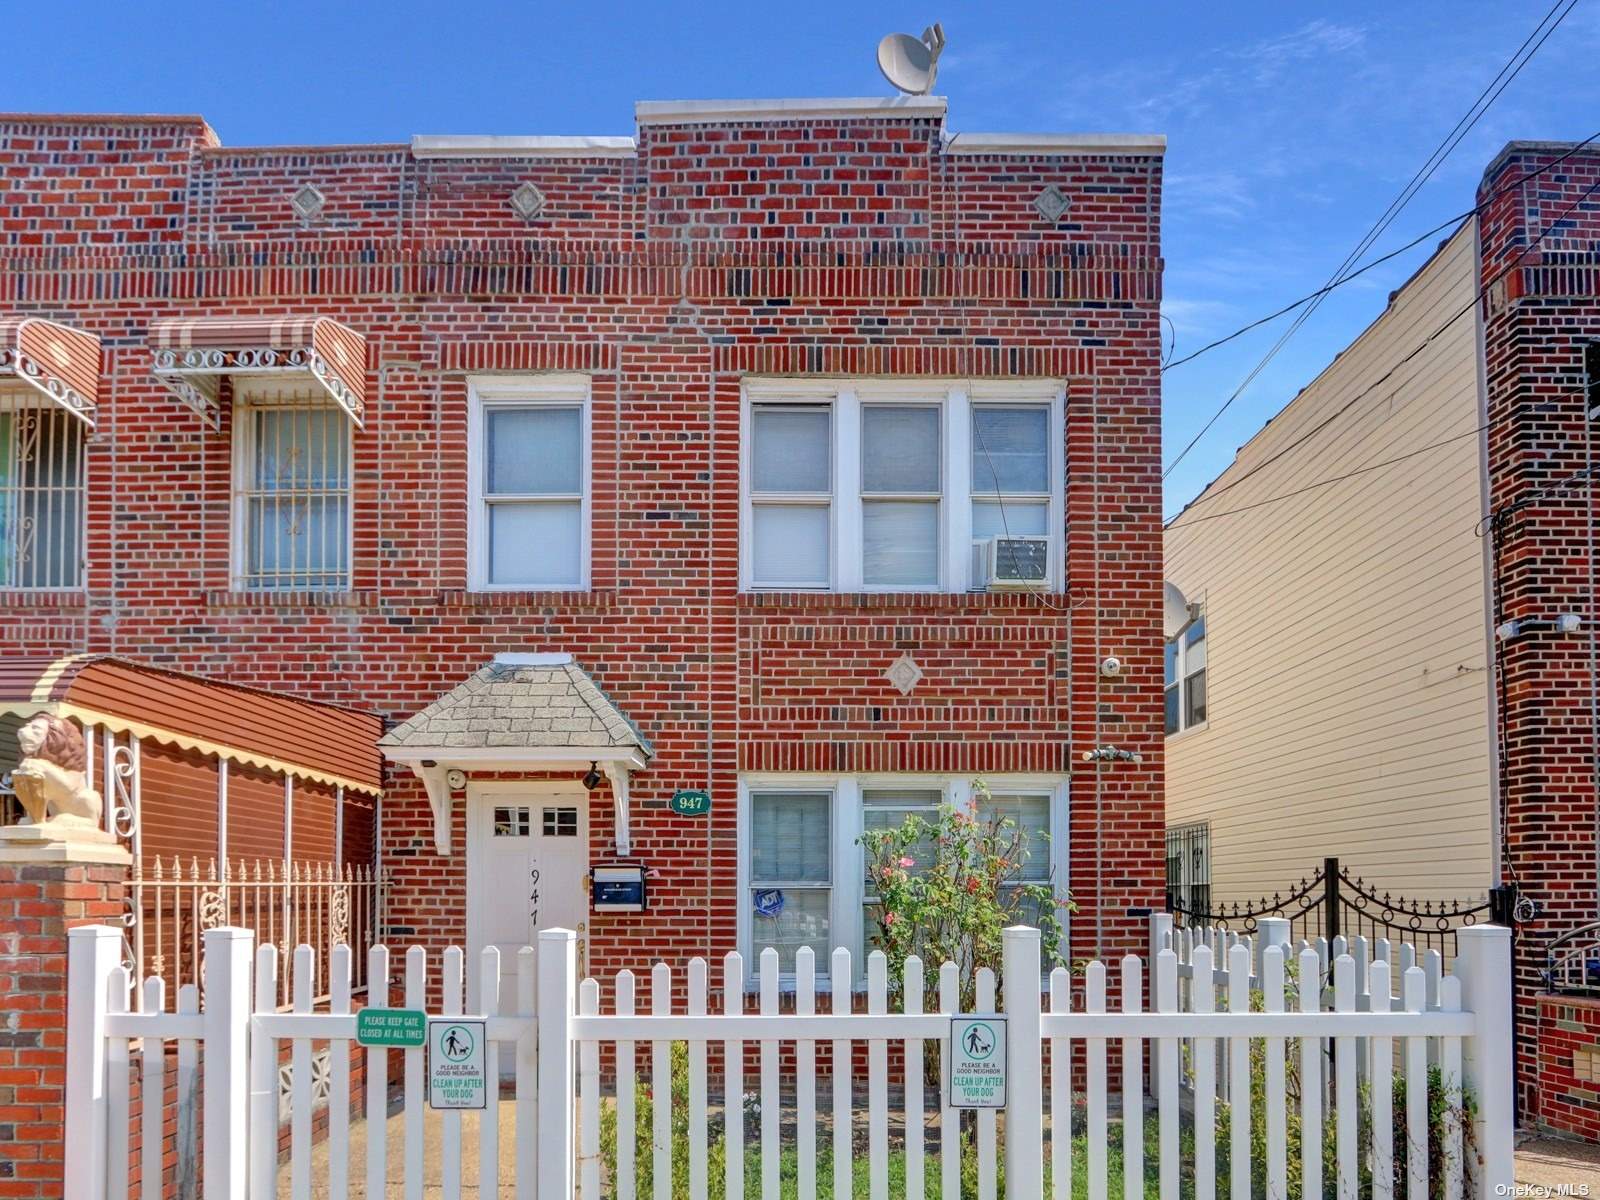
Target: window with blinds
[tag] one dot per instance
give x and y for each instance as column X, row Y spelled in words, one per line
column 883, row 809
column 791, row 494
column 901, row 486
column 529, row 492
column 42, row 482
column 791, row 875
column 292, row 496
column 1030, row 822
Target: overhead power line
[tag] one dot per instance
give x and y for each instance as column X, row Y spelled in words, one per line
column 1516, row 261
column 1474, row 211
column 1507, row 73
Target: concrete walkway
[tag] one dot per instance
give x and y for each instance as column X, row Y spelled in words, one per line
column 1549, row 1166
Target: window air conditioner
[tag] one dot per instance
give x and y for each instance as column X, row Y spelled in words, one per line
column 1019, row 563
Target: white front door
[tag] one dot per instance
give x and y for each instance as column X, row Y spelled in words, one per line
column 527, row 870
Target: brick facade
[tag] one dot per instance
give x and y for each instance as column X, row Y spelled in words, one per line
column 853, row 244
column 39, row 902
column 1539, row 320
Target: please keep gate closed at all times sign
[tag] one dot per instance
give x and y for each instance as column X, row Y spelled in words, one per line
column 977, row 1062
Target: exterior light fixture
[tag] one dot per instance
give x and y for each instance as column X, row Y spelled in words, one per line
column 1112, row 754
column 592, row 779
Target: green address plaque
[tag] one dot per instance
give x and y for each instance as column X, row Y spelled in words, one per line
column 691, row 803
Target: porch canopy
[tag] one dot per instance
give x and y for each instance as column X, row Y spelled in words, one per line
column 521, row 712
column 58, row 361
column 192, row 354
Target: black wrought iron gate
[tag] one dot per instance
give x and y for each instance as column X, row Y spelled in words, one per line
column 1332, row 903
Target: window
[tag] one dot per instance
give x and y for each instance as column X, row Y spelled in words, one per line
column 292, row 494
column 900, row 490
column 42, row 473
column 791, row 495
column 560, row 822
column 1189, row 868
column 529, row 469
column 511, row 821
column 886, row 486
column 1186, row 677
column 1030, row 819
column 791, row 875
column 883, row 809
column 803, row 872
column 1010, row 475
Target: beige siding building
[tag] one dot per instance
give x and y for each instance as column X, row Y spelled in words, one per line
column 1334, row 699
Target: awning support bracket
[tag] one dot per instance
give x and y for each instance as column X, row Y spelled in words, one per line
column 620, row 778
column 440, row 800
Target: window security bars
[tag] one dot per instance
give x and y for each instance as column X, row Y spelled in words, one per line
column 42, row 476
column 1189, row 867
column 292, row 497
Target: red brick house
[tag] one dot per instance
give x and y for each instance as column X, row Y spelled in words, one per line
column 804, row 453
column 1539, row 248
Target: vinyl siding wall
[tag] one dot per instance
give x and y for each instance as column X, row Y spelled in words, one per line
column 1348, row 703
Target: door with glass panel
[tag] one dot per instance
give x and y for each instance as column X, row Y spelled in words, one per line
column 791, row 875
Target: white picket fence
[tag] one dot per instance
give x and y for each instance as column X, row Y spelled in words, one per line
column 557, row 1127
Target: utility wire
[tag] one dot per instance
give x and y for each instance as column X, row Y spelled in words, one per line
column 1474, row 113
column 1516, row 261
column 1474, row 211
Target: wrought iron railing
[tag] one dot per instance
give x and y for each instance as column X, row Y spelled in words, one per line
column 1572, row 962
column 287, row 904
column 1331, row 903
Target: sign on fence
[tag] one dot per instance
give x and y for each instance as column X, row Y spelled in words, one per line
column 978, row 1062
column 456, row 1077
column 391, row 1027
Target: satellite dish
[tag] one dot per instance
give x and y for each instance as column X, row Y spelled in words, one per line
column 912, row 64
column 1176, row 613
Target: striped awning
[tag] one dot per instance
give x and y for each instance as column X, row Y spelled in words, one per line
column 59, row 361
column 193, row 354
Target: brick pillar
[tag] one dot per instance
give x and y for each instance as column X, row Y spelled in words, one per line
column 45, row 889
column 1541, row 315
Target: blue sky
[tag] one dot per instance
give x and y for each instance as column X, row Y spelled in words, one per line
column 1290, row 125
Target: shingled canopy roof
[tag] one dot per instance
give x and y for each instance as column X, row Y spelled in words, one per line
column 534, row 712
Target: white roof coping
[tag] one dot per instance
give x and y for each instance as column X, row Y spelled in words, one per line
column 553, row 659
column 467, row 145
column 1056, row 143
column 695, row 112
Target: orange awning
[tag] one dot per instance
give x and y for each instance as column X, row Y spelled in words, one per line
column 58, row 361
column 192, row 354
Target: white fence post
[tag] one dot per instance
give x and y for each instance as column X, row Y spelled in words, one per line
column 558, row 993
column 1024, row 1065
column 1483, row 964
column 1271, row 931
column 226, row 1057
column 93, row 952
column 1161, row 928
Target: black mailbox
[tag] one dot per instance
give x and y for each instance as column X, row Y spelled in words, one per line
column 617, row 889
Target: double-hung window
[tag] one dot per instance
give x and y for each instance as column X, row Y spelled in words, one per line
column 1186, row 677
column 791, row 495
column 902, row 485
column 292, row 473
column 791, row 875
column 529, row 473
column 883, row 809
column 1029, row 814
column 1011, row 488
column 42, row 474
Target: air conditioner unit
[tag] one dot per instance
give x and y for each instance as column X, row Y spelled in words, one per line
column 1018, row 563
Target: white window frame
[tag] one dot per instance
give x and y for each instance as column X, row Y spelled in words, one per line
column 252, row 393
column 554, row 390
column 13, row 403
column 749, row 503
column 955, row 398
column 847, row 904
column 1181, row 683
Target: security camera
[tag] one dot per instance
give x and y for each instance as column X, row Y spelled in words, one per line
column 1111, row 666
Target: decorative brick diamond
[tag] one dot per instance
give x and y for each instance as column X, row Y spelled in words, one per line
column 308, row 203
column 1051, row 204
column 527, row 201
column 904, row 673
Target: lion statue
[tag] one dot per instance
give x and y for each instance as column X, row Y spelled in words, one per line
column 50, row 780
